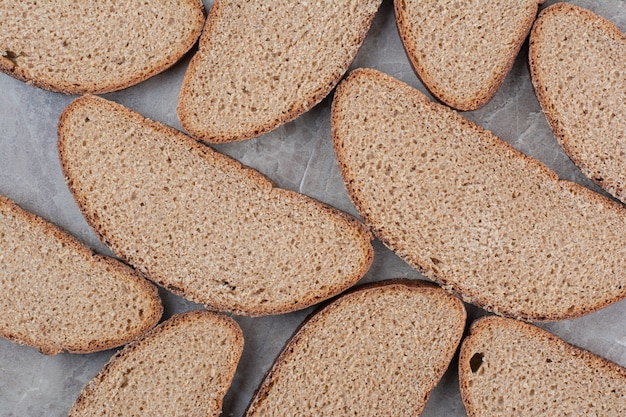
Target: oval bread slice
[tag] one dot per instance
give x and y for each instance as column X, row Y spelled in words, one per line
column 56, row 294
column 470, row 211
column 463, row 50
column 182, row 368
column 95, row 46
column 376, row 351
column 511, row 368
column 262, row 64
column 578, row 69
column 200, row 223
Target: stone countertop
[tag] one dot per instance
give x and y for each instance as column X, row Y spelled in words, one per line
column 297, row 156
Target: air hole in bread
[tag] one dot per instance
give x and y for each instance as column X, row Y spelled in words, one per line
column 476, row 362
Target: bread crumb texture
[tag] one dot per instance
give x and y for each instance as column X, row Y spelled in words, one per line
column 56, row 295
column 510, row 368
column 199, row 222
column 463, row 50
column 471, row 212
column 95, row 46
column 182, row 368
column 578, row 68
column 261, row 64
column 376, row 351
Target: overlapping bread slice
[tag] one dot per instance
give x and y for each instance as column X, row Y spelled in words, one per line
column 511, row 368
column 463, row 50
column 468, row 210
column 56, row 294
column 182, row 368
column 200, row 223
column 94, row 46
column 375, row 351
column 577, row 64
column 261, row 64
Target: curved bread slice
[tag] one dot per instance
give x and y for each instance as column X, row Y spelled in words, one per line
column 56, row 294
column 95, row 46
column 577, row 62
column 377, row 351
column 471, row 212
column 182, row 367
column 463, row 50
column 200, row 223
column 261, row 64
column 510, row 368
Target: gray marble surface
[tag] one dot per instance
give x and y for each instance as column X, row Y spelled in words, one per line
column 297, row 156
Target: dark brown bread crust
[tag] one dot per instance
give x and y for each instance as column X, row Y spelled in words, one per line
column 449, row 97
column 563, row 136
column 307, row 102
column 329, row 306
column 150, row 318
column 468, row 348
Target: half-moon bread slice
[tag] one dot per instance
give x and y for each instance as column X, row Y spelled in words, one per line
column 198, row 222
column 470, row 211
column 262, row 64
column 511, row 368
column 95, row 46
column 376, row 351
column 57, row 295
column 182, row 368
column 578, row 68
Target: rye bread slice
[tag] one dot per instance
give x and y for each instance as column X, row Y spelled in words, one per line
column 94, row 46
column 471, row 212
column 198, row 222
column 262, row 64
column 182, row 368
column 57, row 295
column 511, row 368
column 376, row 351
column 577, row 65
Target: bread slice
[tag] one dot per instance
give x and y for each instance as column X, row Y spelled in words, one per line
column 95, row 46
column 56, row 294
column 262, row 64
column 463, row 50
column 182, row 368
column 469, row 211
column 511, row 368
column 200, row 223
column 377, row 351
column 577, row 62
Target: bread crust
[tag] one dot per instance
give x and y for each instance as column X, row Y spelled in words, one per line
column 563, row 136
column 327, row 308
column 452, row 98
column 51, row 231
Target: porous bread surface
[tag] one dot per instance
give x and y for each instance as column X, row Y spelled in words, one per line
column 471, row 212
column 376, row 351
column 182, row 368
column 463, row 50
column 199, row 222
column 56, row 295
column 95, row 46
column 577, row 62
column 510, row 368
column 261, row 64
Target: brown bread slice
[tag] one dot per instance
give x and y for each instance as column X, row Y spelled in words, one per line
column 376, row 351
column 577, row 64
column 200, row 223
column 94, row 46
column 510, row 368
column 262, row 64
column 56, row 294
column 463, row 50
column 182, row 368
column 470, row 211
